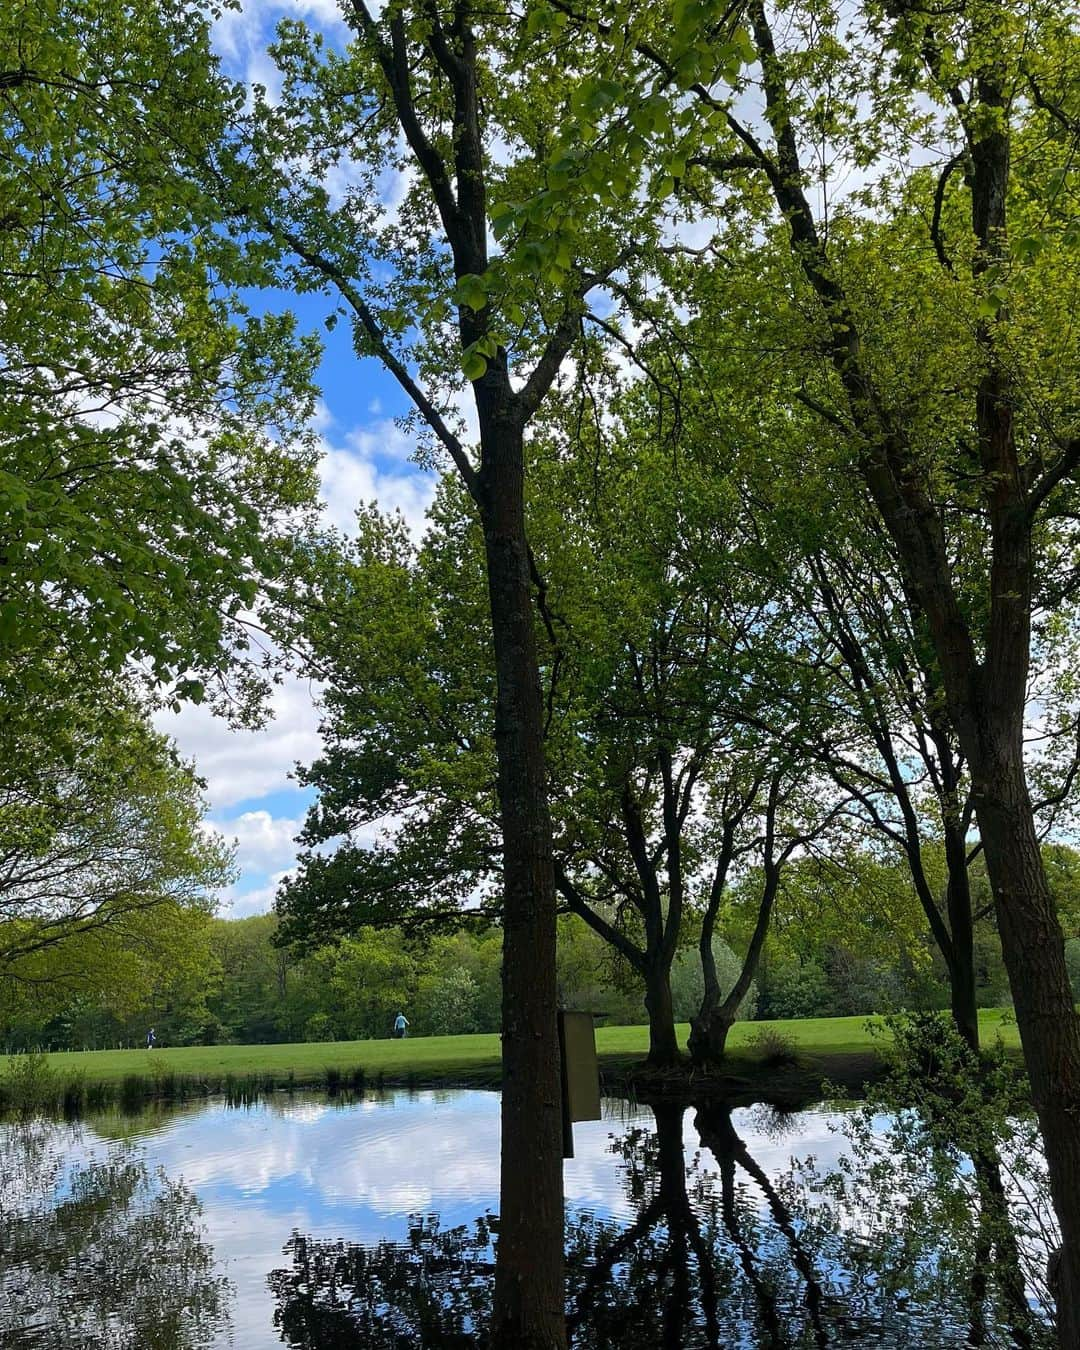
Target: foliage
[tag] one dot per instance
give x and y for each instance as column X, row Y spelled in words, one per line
column 150, row 425
column 773, row 1048
column 116, row 1252
column 653, row 762
column 795, row 988
column 1072, row 958
column 448, row 1004
column 962, row 1150
column 29, row 1084
column 109, row 876
column 687, row 982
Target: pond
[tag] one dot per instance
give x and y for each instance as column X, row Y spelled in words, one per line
column 316, row 1223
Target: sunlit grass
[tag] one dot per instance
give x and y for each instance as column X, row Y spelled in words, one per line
column 448, row 1058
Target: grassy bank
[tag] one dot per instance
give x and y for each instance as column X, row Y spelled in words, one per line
column 88, row 1078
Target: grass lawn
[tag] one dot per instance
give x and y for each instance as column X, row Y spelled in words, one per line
column 449, row 1059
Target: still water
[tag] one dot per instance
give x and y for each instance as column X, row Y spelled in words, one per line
column 317, row 1224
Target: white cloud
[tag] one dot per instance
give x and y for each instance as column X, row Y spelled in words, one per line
column 383, row 439
column 370, row 464
column 237, row 903
column 354, row 474
column 263, row 841
column 246, row 765
column 266, row 854
column 239, row 32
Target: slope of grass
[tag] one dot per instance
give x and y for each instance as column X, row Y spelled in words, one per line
column 445, row 1059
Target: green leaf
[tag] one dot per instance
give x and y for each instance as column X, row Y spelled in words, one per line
column 474, row 365
column 471, row 291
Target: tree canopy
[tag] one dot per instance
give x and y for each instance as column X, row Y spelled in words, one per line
column 105, row 868
column 151, row 424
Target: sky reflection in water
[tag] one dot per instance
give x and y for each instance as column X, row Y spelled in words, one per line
column 382, row 1171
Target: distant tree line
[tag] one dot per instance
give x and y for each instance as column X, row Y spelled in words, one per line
column 215, row 980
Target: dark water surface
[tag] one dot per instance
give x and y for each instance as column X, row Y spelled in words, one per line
column 318, row 1224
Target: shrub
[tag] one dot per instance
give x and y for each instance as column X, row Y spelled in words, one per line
column 795, row 989
column 688, row 982
column 319, row 1027
column 29, row 1085
column 448, row 1004
column 773, row 1048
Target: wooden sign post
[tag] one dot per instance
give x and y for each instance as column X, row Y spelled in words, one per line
column 580, row 1073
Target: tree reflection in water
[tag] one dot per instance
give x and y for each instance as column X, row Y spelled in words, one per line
column 100, row 1254
column 713, row 1257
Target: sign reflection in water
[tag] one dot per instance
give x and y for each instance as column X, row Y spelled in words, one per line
column 371, row 1225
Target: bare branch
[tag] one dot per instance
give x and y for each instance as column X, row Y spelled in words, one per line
column 939, row 202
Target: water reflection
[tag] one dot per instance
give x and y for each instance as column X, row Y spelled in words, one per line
column 370, row 1224
column 714, row 1252
column 100, row 1253
column 666, row 1278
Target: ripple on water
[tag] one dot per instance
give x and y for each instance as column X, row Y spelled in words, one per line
column 242, row 1214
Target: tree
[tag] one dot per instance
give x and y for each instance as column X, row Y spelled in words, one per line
column 688, row 983
column 436, row 92
column 653, row 764
column 861, row 697
column 150, row 425
column 254, row 997
column 1003, row 472
column 935, row 353
column 104, row 865
column 966, row 489
column 651, row 636
column 788, row 819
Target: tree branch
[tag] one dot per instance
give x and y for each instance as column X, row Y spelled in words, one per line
column 394, row 62
column 349, row 291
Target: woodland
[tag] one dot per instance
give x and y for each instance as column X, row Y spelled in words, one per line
column 742, row 633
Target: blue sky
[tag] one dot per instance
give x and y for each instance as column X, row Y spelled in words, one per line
column 366, row 457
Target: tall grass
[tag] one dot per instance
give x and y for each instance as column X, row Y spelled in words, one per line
column 29, row 1086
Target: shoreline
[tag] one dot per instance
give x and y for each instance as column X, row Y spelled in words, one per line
column 789, row 1087
column 816, row 1053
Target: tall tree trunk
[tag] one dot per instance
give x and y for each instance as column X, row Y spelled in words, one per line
column 985, row 691
column 708, row 1038
column 960, row 956
column 965, row 1014
column 529, row 1311
column 709, row 1030
column 663, row 1044
column 1034, row 951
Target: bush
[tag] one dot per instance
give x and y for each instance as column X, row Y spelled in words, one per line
column 29, row 1085
column 688, row 982
column 214, row 1032
column 319, row 1027
column 448, row 1005
column 773, row 1048
column 795, row 989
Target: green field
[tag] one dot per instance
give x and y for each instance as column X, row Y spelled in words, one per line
column 448, row 1059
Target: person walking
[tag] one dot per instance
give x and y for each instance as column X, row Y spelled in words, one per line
column 401, row 1027
column 150, row 1039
